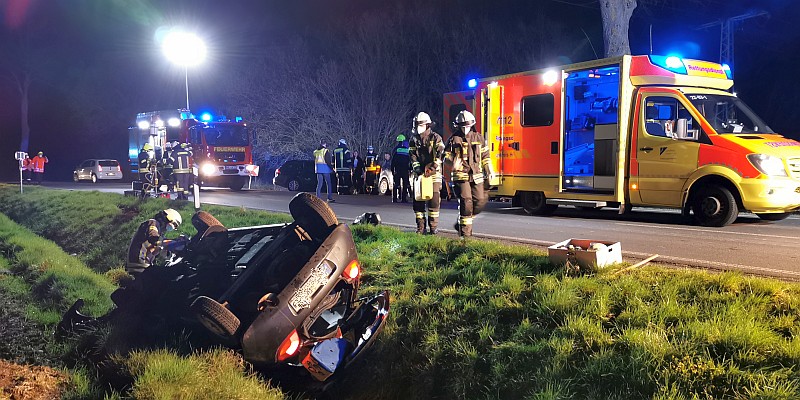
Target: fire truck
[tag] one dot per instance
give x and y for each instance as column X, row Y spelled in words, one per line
column 223, row 154
column 632, row 131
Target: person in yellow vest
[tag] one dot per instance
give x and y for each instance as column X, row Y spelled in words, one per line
column 425, row 152
column 323, row 166
column 468, row 158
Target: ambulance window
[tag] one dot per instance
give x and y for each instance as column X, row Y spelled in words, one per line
column 538, row 110
column 660, row 114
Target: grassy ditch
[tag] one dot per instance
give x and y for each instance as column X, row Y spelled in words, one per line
column 485, row 320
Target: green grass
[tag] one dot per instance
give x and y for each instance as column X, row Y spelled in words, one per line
column 485, row 320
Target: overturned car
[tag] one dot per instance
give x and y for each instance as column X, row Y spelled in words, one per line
column 285, row 295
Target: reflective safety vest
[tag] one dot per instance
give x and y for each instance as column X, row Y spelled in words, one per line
column 182, row 163
column 319, row 156
column 38, row 163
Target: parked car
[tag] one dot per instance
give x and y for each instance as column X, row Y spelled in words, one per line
column 296, row 175
column 97, row 169
column 385, row 182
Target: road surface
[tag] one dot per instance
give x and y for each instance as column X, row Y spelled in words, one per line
column 749, row 245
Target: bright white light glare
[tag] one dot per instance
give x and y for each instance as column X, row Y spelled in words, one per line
column 492, row 84
column 250, row 168
column 208, row 169
column 674, row 62
column 183, row 48
column 159, row 123
column 174, row 122
column 143, row 125
column 205, row 117
column 472, row 83
column 549, row 78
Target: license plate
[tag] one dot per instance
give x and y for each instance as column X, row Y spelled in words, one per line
column 110, row 173
column 231, row 167
column 306, row 291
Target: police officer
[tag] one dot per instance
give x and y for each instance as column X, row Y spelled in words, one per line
column 182, row 169
column 468, row 158
column 425, row 153
column 148, row 240
column 343, row 164
column 399, row 167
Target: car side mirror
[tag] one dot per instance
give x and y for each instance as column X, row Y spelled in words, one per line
column 682, row 131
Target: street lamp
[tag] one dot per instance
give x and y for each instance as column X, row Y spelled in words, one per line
column 184, row 49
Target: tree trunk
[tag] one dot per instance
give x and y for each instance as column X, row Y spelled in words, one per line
column 616, row 18
column 24, row 87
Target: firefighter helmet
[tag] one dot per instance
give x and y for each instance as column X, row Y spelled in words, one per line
column 41, row 153
column 422, row 119
column 342, row 142
column 147, row 147
column 167, row 145
column 465, row 119
column 370, row 149
column 172, row 217
column 401, row 137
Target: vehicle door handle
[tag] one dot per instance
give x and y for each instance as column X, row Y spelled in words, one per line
column 646, row 149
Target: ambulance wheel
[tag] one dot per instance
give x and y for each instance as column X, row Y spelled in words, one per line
column 714, row 206
column 313, row 215
column 774, row 216
column 535, row 203
column 215, row 317
column 94, row 178
column 383, row 187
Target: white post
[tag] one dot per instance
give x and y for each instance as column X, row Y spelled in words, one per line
column 196, row 188
column 20, row 156
column 249, row 181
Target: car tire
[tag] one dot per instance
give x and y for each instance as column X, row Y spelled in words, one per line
column 293, row 185
column 774, row 216
column 215, row 317
column 714, row 206
column 313, row 215
column 94, row 178
column 535, row 203
column 383, row 187
column 75, row 178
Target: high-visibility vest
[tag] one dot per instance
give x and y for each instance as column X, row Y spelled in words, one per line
column 38, row 163
column 319, row 156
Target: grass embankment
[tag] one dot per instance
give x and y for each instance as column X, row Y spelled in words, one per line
column 485, row 320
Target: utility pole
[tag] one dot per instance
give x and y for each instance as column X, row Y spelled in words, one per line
column 727, row 28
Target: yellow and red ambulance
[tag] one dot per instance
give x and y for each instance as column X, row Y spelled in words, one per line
column 654, row 131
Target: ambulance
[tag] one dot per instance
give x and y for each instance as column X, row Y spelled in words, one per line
column 632, row 131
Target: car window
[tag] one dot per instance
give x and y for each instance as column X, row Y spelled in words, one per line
column 85, row 164
column 108, row 163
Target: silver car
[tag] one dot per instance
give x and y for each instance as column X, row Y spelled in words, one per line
column 97, row 169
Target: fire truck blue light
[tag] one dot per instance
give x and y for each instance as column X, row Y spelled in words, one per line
column 205, row 117
column 472, row 83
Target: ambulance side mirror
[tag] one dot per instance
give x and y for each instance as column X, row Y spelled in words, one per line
column 682, row 131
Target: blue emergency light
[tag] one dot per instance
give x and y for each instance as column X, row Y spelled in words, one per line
column 238, row 119
column 672, row 63
column 472, row 83
column 728, row 72
column 205, row 117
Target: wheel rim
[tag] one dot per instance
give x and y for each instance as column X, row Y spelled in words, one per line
column 294, row 185
column 710, row 206
column 384, row 186
column 94, row 178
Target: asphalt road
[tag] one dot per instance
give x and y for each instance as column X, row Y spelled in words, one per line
column 749, row 245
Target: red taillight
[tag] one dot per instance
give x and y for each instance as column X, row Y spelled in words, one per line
column 278, row 171
column 351, row 271
column 289, row 346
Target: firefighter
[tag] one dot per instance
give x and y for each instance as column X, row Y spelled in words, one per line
column 146, row 162
column 149, row 239
column 372, row 170
column 343, row 164
column 38, row 163
column 399, row 166
column 425, row 153
column 167, row 167
column 182, row 169
column 323, row 168
column 468, row 158
column 358, row 172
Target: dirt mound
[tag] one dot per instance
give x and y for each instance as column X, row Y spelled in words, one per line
column 18, row 382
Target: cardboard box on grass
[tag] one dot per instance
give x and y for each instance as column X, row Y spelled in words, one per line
column 560, row 254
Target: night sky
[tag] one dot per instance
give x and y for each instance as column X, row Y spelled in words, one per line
column 112, row 43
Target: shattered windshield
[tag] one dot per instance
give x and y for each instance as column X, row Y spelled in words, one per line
column 728, row 114
column 226, row 135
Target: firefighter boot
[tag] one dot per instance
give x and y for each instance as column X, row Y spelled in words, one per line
column 395, row 195
column 465, row 226
column 433, row 223
column 420, row 226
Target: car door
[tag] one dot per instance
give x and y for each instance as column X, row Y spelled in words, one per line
column 83, row 170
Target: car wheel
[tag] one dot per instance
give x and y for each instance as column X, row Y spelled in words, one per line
column 75, row 178
column 293, row 185
column 313, row 215
column 215, row 317
column 715, row 206
column 94, row 178
column 774, row 216
column 383, row 187
column 535, row 203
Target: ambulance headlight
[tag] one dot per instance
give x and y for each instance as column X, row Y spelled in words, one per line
column 208, row 169
column 768, row 165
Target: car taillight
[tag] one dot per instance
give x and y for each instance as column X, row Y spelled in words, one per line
column 289, row 346
column 277, row 172
column 351, row 271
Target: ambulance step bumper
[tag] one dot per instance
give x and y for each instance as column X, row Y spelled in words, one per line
column 577, row 203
